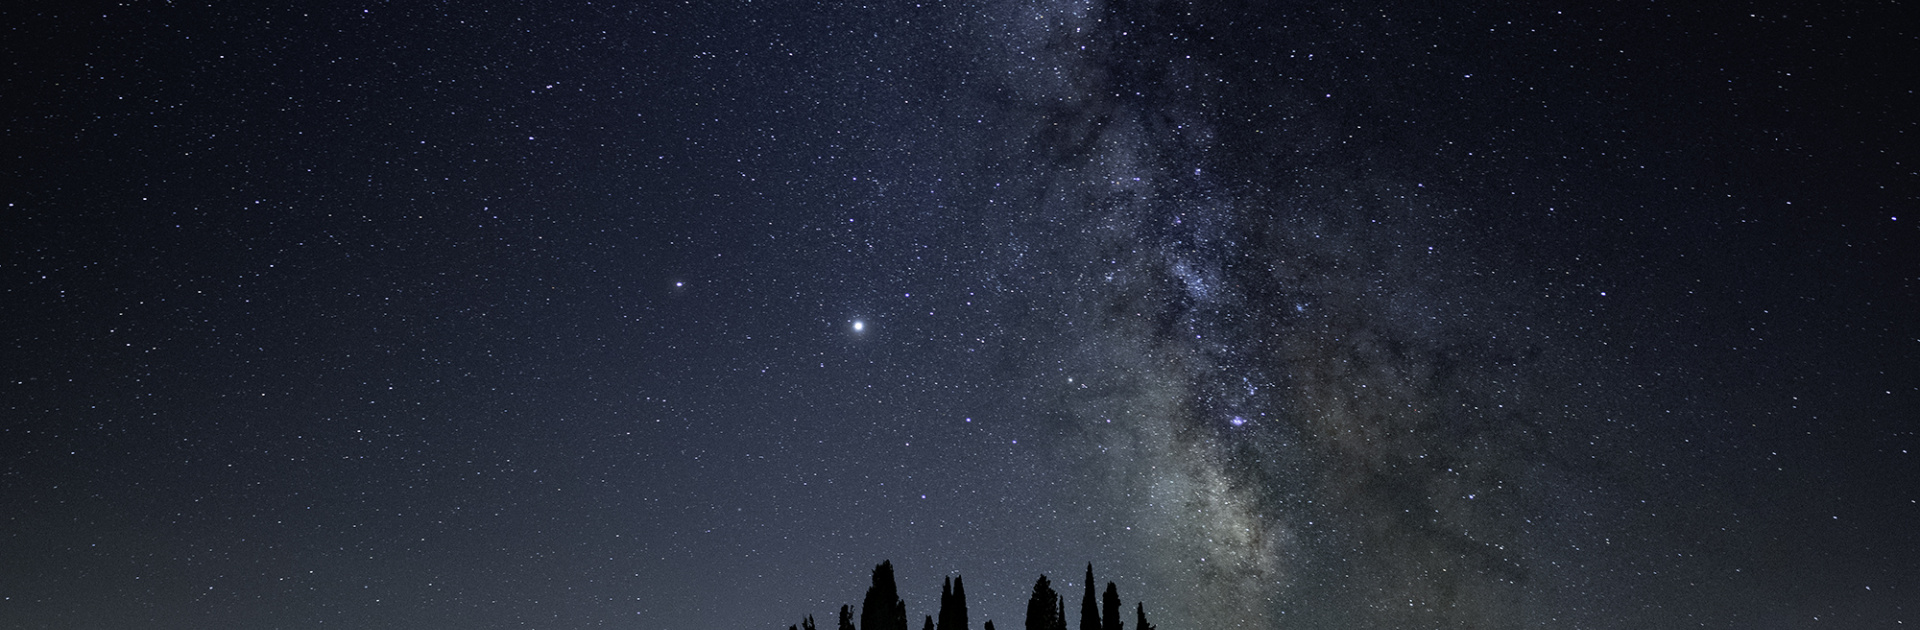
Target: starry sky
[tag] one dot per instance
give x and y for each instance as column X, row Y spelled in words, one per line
column 685, row 315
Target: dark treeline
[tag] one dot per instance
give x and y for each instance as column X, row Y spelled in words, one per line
column 1046, row 610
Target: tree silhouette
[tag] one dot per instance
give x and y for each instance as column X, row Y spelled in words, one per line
column 1089, row 610
column 1110, row 608
column 953, row 605
column 1040, row 611
column 1140, row 621
column 883, row 608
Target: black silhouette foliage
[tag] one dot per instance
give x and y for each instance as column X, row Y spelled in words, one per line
column 953, row 605
column 1040, row 607
column 1110, row 608
column 883, row 608
column 1089, row 608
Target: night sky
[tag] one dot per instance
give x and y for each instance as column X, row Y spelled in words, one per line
column 686, row 315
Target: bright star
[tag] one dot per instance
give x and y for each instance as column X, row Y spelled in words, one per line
column 859, row 326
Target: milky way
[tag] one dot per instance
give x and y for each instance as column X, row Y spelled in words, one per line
column 1291, row 390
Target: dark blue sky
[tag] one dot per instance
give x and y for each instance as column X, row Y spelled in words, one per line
column 1382, row 315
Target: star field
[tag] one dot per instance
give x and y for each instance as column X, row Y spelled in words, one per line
column 685, row 315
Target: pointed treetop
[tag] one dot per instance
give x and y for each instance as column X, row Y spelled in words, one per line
column 959, row 604
column 953, row 605
column 1089, row 608
column 883, row 609
column 1110, row 608
column 1040, row 611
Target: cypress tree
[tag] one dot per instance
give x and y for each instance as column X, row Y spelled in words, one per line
column 1089, row 610
column 846, row 618
column 1110, row 608
column 1060, row 614
column 1040, row 606
column 807, row 624
column 1140, row 622
column 946, row 601
column 883, row 608
column 959, row 605
column 929, row 625
column 989, row 625
column 953, row 605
